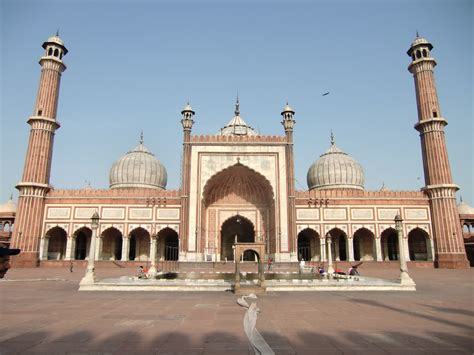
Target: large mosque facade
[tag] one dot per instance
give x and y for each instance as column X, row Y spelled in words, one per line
column 237, row 186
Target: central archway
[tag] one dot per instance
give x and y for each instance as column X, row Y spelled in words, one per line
column 236, row 201
column 236, row 229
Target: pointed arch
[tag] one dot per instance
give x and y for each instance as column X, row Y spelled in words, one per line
column 236, row 229
column 364, row 245
column 309, row 245
column 111, row 244
column 238, row 180
column 389, row 241
column 57, row 240
column 419, row 245
column 339, row 244
column 139, row 244
column 82, row 241
column 167, row 244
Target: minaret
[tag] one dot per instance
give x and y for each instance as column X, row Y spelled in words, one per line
column 439, row 186
column 187, row 122
column 288, row 124
column 36, row 173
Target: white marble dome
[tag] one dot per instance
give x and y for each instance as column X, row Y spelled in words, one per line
column 138, row 168
column 8, row 207
column 464, row 208
column 335, row 170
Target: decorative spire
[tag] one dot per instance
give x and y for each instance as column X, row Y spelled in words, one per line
column 11, row 197
column 141, row 137
column 417, row 34
column 333, row 140
column 237, row 106
column 57, row 32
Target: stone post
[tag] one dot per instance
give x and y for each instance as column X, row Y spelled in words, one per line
column 89, row 278
column 350, row 242
column 98, row 248
column 125, row 247
column 378, row 249
column 405, row 279
column 152, row 269
column 329, row 244
column 68, row 248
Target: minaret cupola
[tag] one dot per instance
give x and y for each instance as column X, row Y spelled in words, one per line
column 187, row 120
column 420, row 49
column 288, row 121
column 54, row 47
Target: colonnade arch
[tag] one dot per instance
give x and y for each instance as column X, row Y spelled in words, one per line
column 82, row 240
column 419, row 245
column 167, row 244
column 389, row 241
column 339, row 244
column 139, row 247
column 309, row 245
column 57, row 239
column 111, row 244
column 364, row 245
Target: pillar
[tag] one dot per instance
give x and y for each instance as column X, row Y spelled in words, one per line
column 350, row 242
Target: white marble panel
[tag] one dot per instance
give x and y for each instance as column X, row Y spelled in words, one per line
column 307, row 213
column 335, row 213
column 113, row 213
column 168, row 213
column 387, row 213
column 416, row 213
column 59, row 212
column 84, row 212
column 359, row 213
column 140, row 213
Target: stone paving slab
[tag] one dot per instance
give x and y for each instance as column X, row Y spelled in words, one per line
column 53, row 317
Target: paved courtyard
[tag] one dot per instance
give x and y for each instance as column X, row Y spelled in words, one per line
column 42, row 312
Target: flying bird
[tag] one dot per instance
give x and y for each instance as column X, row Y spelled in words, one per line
column 326, row 93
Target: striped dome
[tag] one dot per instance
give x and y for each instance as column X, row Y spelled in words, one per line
column 138, row 168
column 335, row 170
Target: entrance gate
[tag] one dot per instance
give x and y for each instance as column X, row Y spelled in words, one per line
column 259, row 249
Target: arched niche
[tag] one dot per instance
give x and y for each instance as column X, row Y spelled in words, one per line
column 309, row 245
column 236, row 229
column 364, row 245
column 111, row 244
column 236, row 190
column 167, row 244
column 389, row 240
column 82, row 241
column 419, row 245
column 139, row 245
column 339, row 244
column 57, row 240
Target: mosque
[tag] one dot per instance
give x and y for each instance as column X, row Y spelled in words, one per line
column 237, row 186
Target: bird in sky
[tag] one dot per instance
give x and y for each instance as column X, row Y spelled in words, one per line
column 326, row 93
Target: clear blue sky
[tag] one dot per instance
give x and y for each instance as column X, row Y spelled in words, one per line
column 133, row 65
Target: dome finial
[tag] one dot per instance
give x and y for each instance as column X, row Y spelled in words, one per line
column 333, row 140
column 57, row 32
column 417, row 34
column 141, row 137
column 237, row 106
column 11, row 197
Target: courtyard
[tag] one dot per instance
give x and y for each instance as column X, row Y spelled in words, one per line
column 44, row 313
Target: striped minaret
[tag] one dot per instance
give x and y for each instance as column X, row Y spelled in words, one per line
column 35, row 181
column 439, row 186
column 187, row 123
column 288, row 124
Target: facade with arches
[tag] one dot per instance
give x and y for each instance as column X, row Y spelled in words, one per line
column 237, row 186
